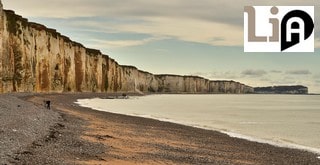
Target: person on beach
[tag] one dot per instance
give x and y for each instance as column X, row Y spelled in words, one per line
column 47, row 103
column 124, row 96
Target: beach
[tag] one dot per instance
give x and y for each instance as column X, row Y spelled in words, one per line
column 70, row 134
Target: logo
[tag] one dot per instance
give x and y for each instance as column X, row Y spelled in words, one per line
column 279, row 29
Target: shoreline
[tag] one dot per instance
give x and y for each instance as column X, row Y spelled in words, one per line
column 282, row 144
column 107, row 138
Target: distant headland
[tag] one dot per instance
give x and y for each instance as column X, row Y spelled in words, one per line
column 296, row 89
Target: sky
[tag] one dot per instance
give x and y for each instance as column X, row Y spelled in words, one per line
column 185, row 37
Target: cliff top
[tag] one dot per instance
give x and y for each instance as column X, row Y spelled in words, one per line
column 198, row 77
column 283, row 87
column 1, row 7
column 13, row 18
column 174, row 75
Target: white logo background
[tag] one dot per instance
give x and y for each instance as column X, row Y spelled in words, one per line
column 264, row 28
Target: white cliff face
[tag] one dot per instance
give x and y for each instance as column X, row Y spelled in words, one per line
column 1, row 7
column 34, row 58
column 1, row 39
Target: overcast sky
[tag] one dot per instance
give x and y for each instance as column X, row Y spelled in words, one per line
column 198, row 37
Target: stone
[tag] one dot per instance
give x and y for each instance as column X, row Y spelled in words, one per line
column 34, row 58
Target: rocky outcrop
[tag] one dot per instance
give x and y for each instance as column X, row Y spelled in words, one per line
column 34, row 58
column 296, row 89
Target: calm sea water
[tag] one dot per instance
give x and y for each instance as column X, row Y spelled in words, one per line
column 283, row 120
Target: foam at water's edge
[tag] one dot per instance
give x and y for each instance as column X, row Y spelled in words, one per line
column 274, row 143
column 278, row 143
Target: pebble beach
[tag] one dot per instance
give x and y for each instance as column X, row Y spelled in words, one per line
column 69, row 134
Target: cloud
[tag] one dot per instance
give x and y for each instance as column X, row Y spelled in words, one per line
column 275, row 71
column 188, row 30
column 298, row 72
column 254, row 73
column 223, row 75
column 284, row 82
column 209, row 22
column 317, row 76
column 121, row 43
column 130, row 8
column 228, row 75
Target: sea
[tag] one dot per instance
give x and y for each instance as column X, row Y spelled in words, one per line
column 283, row 120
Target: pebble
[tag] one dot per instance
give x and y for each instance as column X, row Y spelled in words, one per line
column 21, row 119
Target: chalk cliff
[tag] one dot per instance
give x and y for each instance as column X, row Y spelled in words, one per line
column 34, row 58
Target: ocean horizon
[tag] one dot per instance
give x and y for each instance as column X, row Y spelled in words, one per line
column 283, row 120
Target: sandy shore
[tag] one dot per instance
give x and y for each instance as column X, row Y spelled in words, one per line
column 70, row 134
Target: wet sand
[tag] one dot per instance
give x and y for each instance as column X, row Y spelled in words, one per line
column 84, row 136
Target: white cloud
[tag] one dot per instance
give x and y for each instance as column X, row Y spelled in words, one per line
column 121, row 43
column 187, row 30
column 210, row 22
column 223, row 75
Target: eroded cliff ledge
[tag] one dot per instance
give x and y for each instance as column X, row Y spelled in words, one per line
column 35, row 58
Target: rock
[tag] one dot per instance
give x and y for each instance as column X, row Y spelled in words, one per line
column 35, row 58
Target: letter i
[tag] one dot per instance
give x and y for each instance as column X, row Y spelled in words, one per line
column 275, row 26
